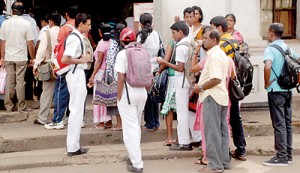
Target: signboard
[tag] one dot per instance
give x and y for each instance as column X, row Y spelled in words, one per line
column 140, row 8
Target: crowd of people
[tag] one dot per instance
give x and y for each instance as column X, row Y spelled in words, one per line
column 217, row 118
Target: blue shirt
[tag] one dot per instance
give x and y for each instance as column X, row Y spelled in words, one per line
column 277, row 59
column 2, row 18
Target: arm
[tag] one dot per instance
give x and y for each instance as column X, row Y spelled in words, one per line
column 195, row 66
column 97, row 66
column 207, row 85
column 168, row 56
column 121, row 82
column 2, row 51
column 179, row 67
column 69, row 60
column 267, row 73
column 31, row 49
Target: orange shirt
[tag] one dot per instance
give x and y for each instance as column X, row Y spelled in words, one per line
column 65, row 30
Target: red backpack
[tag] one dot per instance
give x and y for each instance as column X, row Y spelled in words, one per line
column 58, row 67
column 139, row 73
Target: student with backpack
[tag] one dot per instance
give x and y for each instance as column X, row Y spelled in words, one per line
column 131, row 99
column 150, row 39
column 180, row 33
column 280, row 100
column 236, row 124
column 76, row 82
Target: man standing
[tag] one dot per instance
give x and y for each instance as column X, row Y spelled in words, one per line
column 280, row 100
column 16, row 35
column 236, row 123
column 76, row 81
column 214, row 97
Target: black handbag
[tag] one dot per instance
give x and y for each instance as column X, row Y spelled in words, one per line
column 162, row 51
column 235, row 91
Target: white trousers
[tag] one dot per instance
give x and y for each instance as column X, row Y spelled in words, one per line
column 196, row 134
column 77, row 89
column 182, row 101
column 131, row 122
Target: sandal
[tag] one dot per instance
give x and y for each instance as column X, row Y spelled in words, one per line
column 201, row 162
column 169, row 143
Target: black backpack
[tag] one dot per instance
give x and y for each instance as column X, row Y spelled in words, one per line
column 244, row 68
column 158, row 89
column 289, row 76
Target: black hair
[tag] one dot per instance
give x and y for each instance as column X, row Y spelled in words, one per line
column 188, row 10
column 146, row 21
column 181, row 26
column 232, row 16
column 18, row 8
column 81, row 17
column 214, row 34
column 200, row 12
column 277, row 29
column 73, row 11
column 105, row 29
column 220, row 21
column 55, row 18
column 2, row 6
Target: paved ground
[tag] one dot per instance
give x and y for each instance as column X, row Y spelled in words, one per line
column 185, row 165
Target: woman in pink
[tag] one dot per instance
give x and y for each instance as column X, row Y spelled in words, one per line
column 102, row 114
column 231, row 20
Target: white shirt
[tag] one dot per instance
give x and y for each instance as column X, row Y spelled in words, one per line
column 152, row 44
column 33, row 25
column 73, row 47
column 16, row 31
column 40, row 54
column 42, row 31
column 181, row 54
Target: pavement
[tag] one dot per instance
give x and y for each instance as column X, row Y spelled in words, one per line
column 26, row 145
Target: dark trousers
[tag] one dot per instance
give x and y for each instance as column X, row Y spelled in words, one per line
column 237, row 129
column 151, row 114
column 281, row 116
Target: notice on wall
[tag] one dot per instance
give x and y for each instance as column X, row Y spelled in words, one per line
column 140, row 8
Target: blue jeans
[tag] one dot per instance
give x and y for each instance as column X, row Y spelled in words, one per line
column 61, row 99
column 237, row 129
column 151, row 114
column 280, row 105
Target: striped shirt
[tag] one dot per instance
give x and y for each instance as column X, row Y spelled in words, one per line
column 226, row 47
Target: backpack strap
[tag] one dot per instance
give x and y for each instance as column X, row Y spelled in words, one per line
column 231, row 44
column 81, row 45
column 49, row 46
column 281, row 51
column 189, row 46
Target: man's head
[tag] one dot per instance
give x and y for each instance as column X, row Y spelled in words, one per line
column 211, row 38
column 17, row 8
column 72, row 12
column 275, row 31
column 179, row 30
column 219, row 23
column 83, row 22
column 189, row 15
column 127, row 35
column 54, row 19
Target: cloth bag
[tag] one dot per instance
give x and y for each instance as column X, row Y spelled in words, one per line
column 2, row 80
column 44, row 69
column 106, row 93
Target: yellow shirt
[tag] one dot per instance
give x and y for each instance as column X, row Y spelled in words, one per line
column 226, row 47
column 216, row 67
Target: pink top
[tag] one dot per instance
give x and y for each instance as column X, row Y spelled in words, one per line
column 102, row 47
column 201, row 63
column 238, row 36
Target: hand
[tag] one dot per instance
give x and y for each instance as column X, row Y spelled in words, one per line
column 267, row 84
column 91, row 80
column 197, row 48
column 176, row 19
column 35, row 71
column 90, row 85
column 196, row 89
column 160, row 61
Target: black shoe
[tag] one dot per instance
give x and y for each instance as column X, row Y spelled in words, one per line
column 128, row 161
column 195, row 144
column 178, row 147
column 241, row 157
column 78, row 152
column 37, row 122
column 130, row 168
column 275, row 161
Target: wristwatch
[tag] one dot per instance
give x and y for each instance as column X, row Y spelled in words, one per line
column 201, row 88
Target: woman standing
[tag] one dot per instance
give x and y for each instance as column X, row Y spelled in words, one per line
column 150, row 39
column 231, row 20
column 102, row 114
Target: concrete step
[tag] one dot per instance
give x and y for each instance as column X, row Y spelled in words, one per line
column 117, row 153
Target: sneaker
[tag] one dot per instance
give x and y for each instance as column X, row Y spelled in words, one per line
column 178, row 147
column 82, row 124
column 276, row 162
column 52, row 125
column 290, row 160
column 65, row 121
column 130, row 168
column 36, row 121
